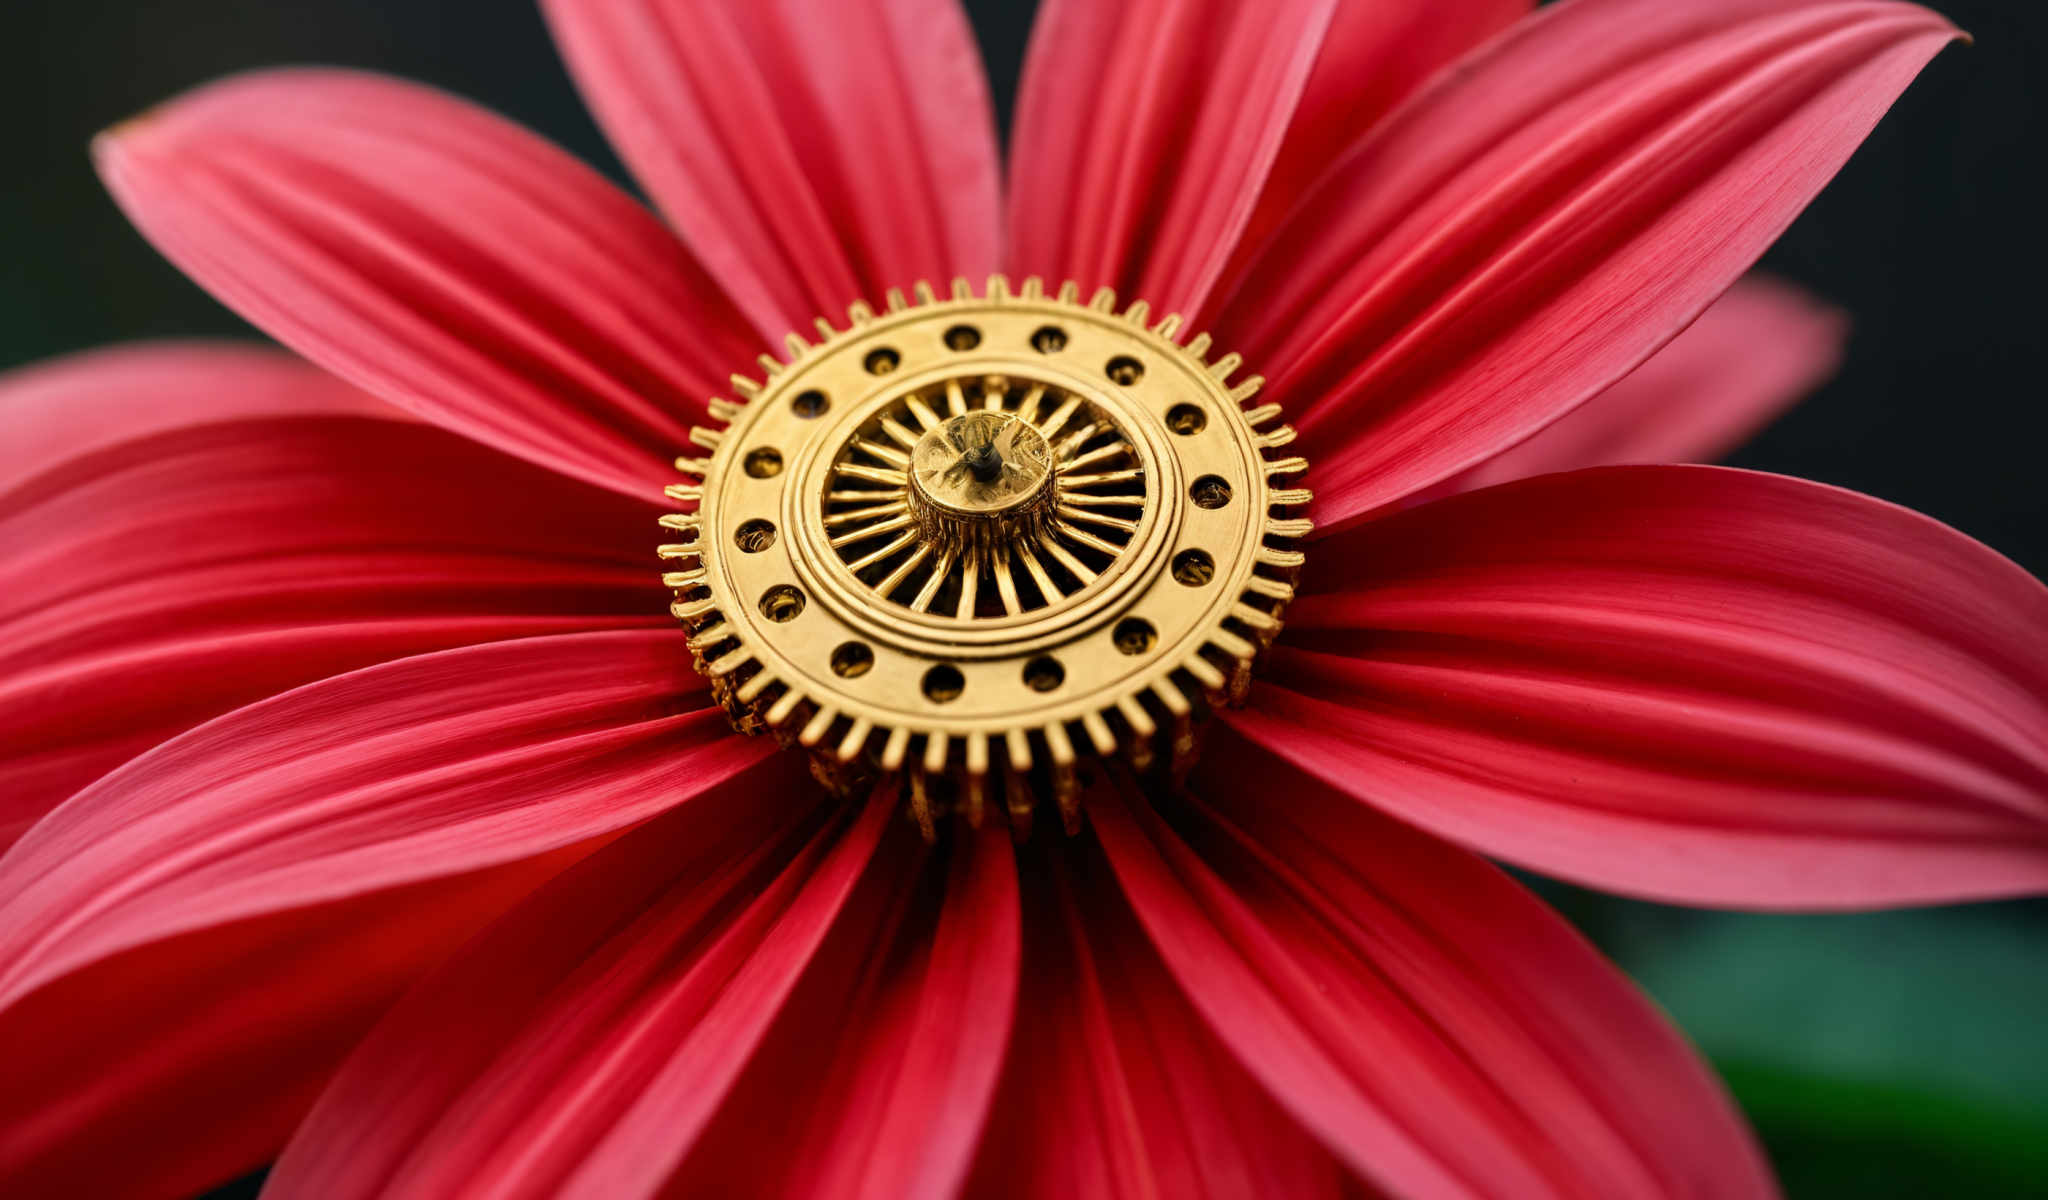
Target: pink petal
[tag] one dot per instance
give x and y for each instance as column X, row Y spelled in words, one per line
column 775, row 1001
column 83, row 403
column 1431, row 1021
column 1114, row 1086
column 1144, row 134
column 439, row 257
column 162, row 573
column 214, row 914
column 1760, row 349
column 811, row 152
column 1688, row 683
column 1376, row 54
column 1537, row 223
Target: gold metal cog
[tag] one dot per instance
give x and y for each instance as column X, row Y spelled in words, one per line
column 972, row 543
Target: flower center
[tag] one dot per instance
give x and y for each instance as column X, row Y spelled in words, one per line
column 978, row 544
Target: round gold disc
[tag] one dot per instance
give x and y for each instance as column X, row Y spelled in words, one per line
column 972, row 542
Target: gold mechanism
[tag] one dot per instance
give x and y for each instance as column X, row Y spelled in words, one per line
column 969, row 542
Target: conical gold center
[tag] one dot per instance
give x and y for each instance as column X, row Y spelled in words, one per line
column 981, row 476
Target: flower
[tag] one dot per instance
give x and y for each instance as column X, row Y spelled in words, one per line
column 368, row 808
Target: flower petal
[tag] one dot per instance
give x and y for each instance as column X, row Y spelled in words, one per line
column 775, row 1002
column 1759, row 350
column 1534, row 225
column 439, row 257
column 811, row 152
column 1114, row 1086
column 162, row 575
column 1688, row 683
column 1144, row 133
column 83, row 403
column 209, row 920
column 1428, row 1018
column 1376, row 54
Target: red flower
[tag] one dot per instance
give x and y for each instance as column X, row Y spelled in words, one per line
column 301, row 692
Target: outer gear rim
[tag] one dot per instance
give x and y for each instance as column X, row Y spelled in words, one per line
column 1035, row 746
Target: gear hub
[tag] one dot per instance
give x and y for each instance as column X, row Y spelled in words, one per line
column 975, row 542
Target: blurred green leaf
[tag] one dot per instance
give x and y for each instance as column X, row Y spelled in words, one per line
column 1885, row 1054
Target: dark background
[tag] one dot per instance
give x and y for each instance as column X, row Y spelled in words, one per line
column 1887, row 1054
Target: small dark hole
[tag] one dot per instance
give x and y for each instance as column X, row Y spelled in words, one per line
column 1134, row 635
column 963, row 337
column 1050, row 339
column 1044, row 673
column 883, row 361
column 1210, row 491
column 943, row 683
column 781, row 603
column 852, row 660
column 1125, row 370
column 1193, row 567
column 810, row 404
column 1185, row 419
column 754, row 536
column 763, row 463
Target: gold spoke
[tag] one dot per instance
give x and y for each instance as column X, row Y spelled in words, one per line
column 1106, row 478
column 1065, row 557
column 1099, row 454
column 873, row 474
column 873, row 512
column 926, row 418
column 956, row 398
column 1006, row 584
column 888, row 454
column 1059, row 417
column 862, row 495
column 1046, row 588
column 1075, row 534
column 970, row 583
column 898, row 434
column 1073, row 441
column 870, row 559
column 857, row 536
column 1084, row 500
column 902, row 572
column 1095, row 518
column 923, row 600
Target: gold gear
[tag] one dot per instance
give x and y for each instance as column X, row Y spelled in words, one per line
column 970, row 542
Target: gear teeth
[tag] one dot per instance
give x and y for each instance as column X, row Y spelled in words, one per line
column 947, row 773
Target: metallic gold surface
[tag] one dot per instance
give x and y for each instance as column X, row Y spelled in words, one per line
column 974, row 542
